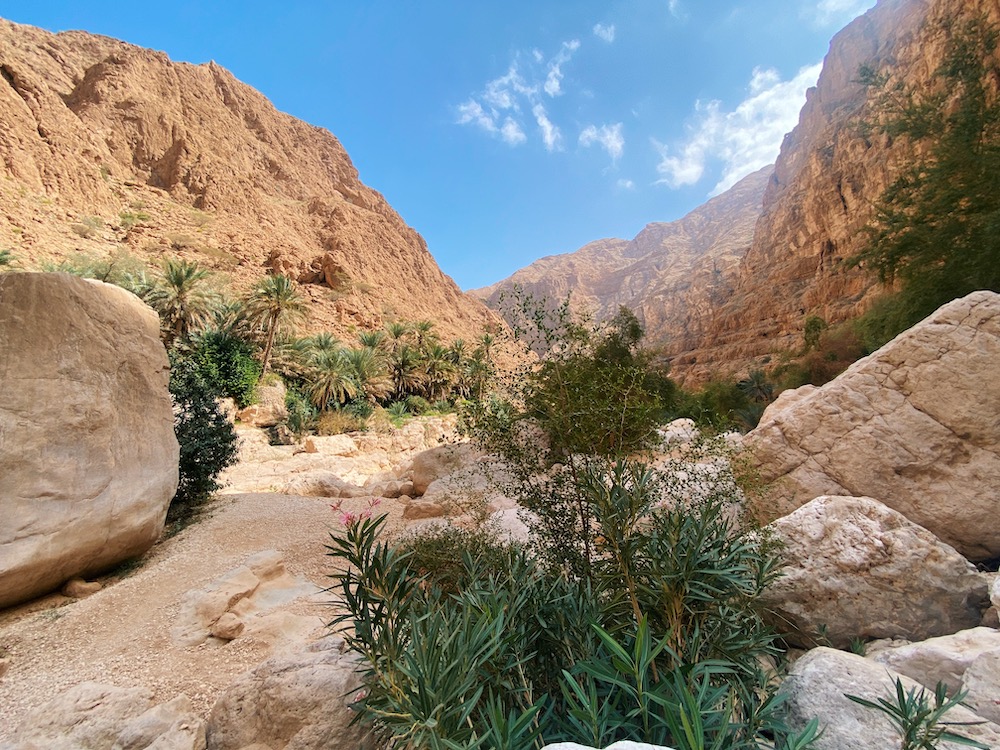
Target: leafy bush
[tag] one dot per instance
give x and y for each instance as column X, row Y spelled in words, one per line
column 301, row 413
column 935, row 227
column 226, row 362
column 207, row 440
column 921, row 726
column 417, row 405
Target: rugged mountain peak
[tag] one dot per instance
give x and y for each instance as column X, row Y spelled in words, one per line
column 671, row 274
column 106, row 145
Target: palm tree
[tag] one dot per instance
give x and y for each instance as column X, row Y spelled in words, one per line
column 322, row 342
column 404, row 370
column 369, row 370
column 371, row 339
column 331, row 378
column 183, row 298
column 274, row 303
column 397, row 333
column 423, row 330
column 438, row 372
column 456, row 352
column 757, row 387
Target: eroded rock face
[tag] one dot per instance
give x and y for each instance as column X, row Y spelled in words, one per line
column 298, row 701
column 916, row 425
column 858, row 569
column 92, row 715
column 816, row 686
column 88, row 458
column 94, row 127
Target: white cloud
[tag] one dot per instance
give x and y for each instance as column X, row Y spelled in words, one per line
column 607, row 33
column 834, row 12
column 473, row 112
column 744, row 139
column 624, row 184
column 511, row 133
column 676, row 9
column 553, row 80
column 551, row 135
column 609, row 137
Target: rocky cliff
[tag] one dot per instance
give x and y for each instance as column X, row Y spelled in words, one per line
column 826, row 180
column 107, row 146
column 672, row 274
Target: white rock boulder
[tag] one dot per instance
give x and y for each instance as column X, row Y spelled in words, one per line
column 435, row 463
column 88, row 458
column 982, row 681
column 916, row 424
column 816, row 688
column 298, row 702
column 855, row 568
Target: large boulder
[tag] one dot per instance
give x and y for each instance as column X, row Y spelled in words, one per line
column 298, row 702
column 88, row 458
column 435, row 463
column 270, row 408
column 816, row 688
column 92, row 716
column 916, row 424
column 856, row 568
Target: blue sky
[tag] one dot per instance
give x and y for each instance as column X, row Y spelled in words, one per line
column 505, row 131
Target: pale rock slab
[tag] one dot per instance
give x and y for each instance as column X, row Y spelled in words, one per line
column 270, row 407
column 863, row 570
column 943, row 659
column 435, row 463
column 982, row 681
column 94, row 716
column 916, row 424
column 85, row 485
column 297, row 702
column 226, row 608
column 816, row 686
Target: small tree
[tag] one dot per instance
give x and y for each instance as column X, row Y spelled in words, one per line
column 207, row 440
column 273, row 304
column 183, row 298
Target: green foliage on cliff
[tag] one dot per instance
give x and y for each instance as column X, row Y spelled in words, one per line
column 936, row 229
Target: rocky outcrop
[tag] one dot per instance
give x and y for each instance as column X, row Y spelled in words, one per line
column 672, row 275
column 816, row 688
column 88, row 458
column 945, row 659
column 915, row 425
column 94, row 716
column 299, row 701
column 826, row 182
column 857, row 569
column 108, row 147
column 232, row 605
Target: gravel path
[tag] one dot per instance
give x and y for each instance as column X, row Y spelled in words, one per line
column 121, row 634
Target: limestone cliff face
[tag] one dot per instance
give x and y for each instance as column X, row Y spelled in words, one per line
column 825, row 182
column 672, row 274
column 105, row 146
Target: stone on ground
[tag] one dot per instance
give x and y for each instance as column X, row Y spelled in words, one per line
column 857, row 569
column 943, row 659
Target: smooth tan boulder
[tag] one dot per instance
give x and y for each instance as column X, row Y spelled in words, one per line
column 943, row 659
column 916, row 424
column 88, row 458
column 858, row 569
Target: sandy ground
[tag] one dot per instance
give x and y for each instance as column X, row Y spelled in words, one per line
column 121, row 634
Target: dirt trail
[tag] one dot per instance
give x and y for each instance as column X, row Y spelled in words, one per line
column 121, row 634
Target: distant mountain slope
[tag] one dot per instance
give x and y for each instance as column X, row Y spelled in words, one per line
column 105, row 145
column 672, row 274
column 827, row 179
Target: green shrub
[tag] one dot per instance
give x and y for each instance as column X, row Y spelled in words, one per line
column 417, row 405
column 226, row 362
column 471, row 642
column 301, row 413
column 207, row 440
